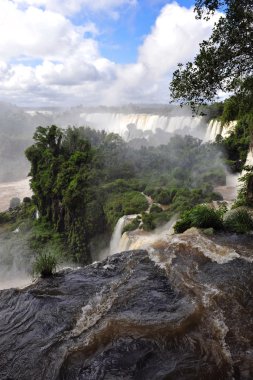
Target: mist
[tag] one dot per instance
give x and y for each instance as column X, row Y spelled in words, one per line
column 15, row 259
column 146, row 130
column 144, row 124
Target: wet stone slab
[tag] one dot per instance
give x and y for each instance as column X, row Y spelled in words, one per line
column 128, row 318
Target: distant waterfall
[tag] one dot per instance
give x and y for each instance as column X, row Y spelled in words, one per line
column 122, row 123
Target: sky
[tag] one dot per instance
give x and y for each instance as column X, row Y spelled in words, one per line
column 94, row 52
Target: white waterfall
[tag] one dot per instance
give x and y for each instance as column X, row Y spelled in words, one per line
column 118, row 122
column 116, row 236
column 249, row 160
column 115, row 243
column 216, row 128
column 140, row 239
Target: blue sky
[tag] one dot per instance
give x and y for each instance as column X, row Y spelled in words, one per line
column 70, row 52
column 120, row 39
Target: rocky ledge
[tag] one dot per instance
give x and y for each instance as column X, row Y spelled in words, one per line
column 177, row 311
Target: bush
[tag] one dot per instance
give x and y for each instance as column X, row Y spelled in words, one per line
column 183, row 223
column 200, row 216
column 155, row 209
column 117, row 205
column 238, row 220
column 45, row 265
column 27, row 200
column 163, row 197
column 132, row 225
column 148, row 222
column 4, row 217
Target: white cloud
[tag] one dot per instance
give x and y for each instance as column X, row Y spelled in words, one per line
column 174, row 38
column 42, row 34
column 44, row 58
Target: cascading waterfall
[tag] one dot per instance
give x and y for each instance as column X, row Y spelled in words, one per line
column 119, row 122
column 116, row 236
column 137, row 239
column 216, row 128
column 115, row 246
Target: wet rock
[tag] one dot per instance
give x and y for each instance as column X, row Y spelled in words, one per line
column 170, row 313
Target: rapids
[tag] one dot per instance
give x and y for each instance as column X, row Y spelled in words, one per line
column 182, row 310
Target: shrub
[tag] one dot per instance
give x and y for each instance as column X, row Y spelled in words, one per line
column 4, row 217
column 117, row 205
column 132, row 225
column 155, row 209
column 163, row 197
column 45, row 265
column 183, row 223
column 148, row 222
column 238, row 220
column 27, row 200
column 200, row 216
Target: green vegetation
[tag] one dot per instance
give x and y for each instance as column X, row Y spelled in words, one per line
column 4, row 217
column 200, row 216
column 245, row 195
column 84, row 180
column 224, row 60
column 224, row 63
column 238, row 220
column 45, row 265
column 238, row 107
column 132, row 225
column 127, row 203
column 155, row 209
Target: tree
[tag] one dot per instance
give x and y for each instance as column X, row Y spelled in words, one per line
column 224, row 61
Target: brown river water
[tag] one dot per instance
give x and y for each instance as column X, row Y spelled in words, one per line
column 10, row 190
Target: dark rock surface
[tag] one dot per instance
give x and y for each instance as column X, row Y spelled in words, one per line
column 173, row 315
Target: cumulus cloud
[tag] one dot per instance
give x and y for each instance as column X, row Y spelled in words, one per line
column 174, row 38
column 42, row 34
column 46, row 59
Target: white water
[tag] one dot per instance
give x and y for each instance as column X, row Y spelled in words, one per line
column 116, row 236
column 118, row 122
column 147, row 240
column 215, row 128
column 249, row 160
column 117, row 233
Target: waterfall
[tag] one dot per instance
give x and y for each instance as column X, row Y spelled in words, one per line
column 116, row 236
column 115, row 243
column 249, row 160
column 126, row 124
column 216, row 128
column 140, row 239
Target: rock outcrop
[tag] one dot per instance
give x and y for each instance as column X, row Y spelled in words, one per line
column 183, row 310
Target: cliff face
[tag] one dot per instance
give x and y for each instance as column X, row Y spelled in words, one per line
column 183, row 310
